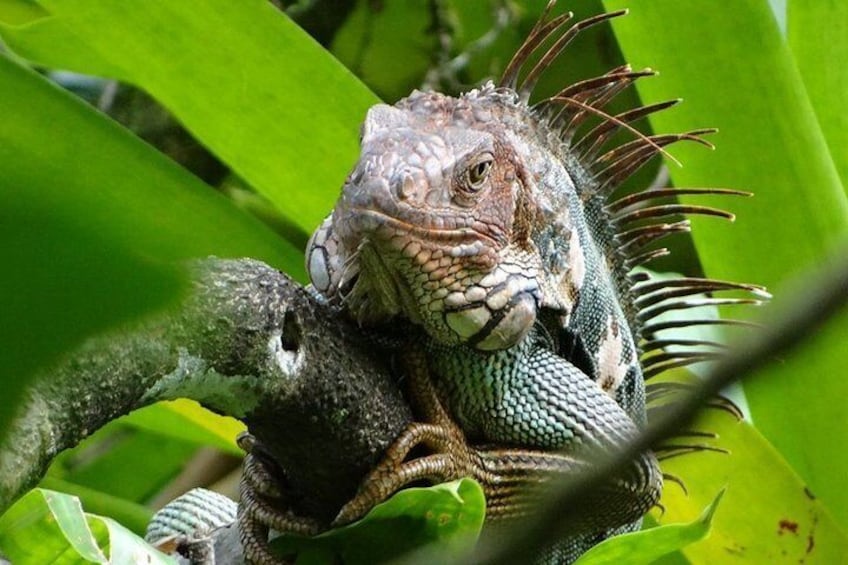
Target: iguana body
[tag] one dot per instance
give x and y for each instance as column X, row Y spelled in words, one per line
column 484, row 221
column 487, row 223
column 512, row 281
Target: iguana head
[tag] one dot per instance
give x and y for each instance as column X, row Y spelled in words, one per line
column 468, row 215
column 434, row 220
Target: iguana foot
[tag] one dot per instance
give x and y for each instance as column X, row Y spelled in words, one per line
column 515, row 480
column 263, row 506
column 453, row 458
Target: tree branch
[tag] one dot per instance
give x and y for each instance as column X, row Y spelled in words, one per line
column 250, row 343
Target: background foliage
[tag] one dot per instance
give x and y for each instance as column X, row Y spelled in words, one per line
column 250, row 126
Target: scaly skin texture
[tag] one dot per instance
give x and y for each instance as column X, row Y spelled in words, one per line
column 487, row 223
column 474, row 264
column 462, row 217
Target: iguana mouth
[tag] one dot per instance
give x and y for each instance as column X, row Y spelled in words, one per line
column 386, row 226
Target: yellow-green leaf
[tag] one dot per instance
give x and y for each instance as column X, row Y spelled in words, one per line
column 735, row 71
column 648, row 545
column 241, row 76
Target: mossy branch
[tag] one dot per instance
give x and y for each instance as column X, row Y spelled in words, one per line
column 248, row 342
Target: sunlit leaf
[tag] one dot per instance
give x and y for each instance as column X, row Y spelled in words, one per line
column 818, row 36
column 766, row 515
column 648, row 545
column 449, row 515
column 131, row 515
column 244, row 79
column 735, row 72
column 50, row 527
column 20, row 11
column 188, row 421
column 129, row 463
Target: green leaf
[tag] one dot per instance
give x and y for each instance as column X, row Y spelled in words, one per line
column 767, row 514
column 389, row 46
column 124, row 462
column 90, row 219
column 449, row 515
column 50, row 527
column 130, row 514
column 186, row 420
column 818, row 36
column 243, row 78
column 647, row 545
column 735, row 72
column 20, row 11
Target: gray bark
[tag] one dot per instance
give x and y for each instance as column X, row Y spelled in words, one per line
column 248, row 342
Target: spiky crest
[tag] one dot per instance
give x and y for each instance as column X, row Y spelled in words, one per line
column 640, row 219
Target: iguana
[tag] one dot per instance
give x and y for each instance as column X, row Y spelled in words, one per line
column 486, row 228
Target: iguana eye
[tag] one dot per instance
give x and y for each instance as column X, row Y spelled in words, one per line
column 478, row 173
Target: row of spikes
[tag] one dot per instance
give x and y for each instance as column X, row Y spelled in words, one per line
column 569, row 109
column 641, row 219
column 659, row 396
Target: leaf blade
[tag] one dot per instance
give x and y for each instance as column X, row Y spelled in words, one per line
column 818, row 36
column 799, row 212
column 263, row 124
column 648, row 545
column 92, row 223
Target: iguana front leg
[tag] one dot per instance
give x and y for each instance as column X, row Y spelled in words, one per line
column 451, row 456
column 560, row 408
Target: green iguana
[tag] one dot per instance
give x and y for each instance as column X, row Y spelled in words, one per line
column 485, row 229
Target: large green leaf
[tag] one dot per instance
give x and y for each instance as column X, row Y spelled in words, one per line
column 131, row 515
column 648, row 545
column 449, row 516
column 88, row 214
column 129, row 461
column 767, row 514
column 242, row 77
column 818, row 36
column 389, row 46
column 188, row 421
column 18, row 12
column 123, row 462
column 735, row 72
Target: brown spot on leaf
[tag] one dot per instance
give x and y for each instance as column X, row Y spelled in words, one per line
column 809, row 493
column 811, row 543
column 787, row 526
